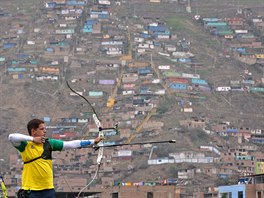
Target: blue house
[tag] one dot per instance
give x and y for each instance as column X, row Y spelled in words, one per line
column 178, row 86
column 199, row 81
column 9, row 45
column 238, row 191
column 247, row 187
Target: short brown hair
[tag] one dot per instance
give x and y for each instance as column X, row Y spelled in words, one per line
column 33, row 124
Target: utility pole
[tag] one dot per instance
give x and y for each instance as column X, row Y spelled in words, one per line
column 151, row 151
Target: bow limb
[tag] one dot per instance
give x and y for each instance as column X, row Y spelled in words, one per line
column 84, row 99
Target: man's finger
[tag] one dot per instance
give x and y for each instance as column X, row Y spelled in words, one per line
column 43, row 139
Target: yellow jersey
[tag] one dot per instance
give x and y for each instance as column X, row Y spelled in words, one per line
column 37, row 174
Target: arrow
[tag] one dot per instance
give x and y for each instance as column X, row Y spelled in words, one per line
column 136, row 143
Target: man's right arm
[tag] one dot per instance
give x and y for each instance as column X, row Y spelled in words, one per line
column 17, row 138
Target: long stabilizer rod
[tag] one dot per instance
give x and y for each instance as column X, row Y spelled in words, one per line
column 136, row 143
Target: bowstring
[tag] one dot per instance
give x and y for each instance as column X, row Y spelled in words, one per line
column 60, row 91
column 92, row 180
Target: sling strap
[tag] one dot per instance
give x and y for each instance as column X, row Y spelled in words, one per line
column 46, row 153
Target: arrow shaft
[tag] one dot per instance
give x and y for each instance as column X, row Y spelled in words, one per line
column 138, row 143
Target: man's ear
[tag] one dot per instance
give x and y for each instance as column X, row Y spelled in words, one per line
column 33, row 131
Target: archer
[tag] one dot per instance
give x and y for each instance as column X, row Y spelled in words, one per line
column 36, row 152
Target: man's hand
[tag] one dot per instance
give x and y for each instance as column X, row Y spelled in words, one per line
column 98, row 139
column 39, row 140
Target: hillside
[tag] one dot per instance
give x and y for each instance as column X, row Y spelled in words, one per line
column 22, row 100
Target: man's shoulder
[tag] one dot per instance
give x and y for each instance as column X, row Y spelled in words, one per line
column 22, row 146
column 54, row 140
column 56, row 145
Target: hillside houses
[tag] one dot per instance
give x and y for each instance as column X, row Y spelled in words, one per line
column 240, row 35
column 244, row 159
column 138, row 64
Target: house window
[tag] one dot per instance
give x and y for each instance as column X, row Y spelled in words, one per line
column 115, row 195
column 150, row 195
column 224, row 195
column 13, row 180
column 240, row 194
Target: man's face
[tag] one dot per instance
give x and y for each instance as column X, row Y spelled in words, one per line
column 40, row 131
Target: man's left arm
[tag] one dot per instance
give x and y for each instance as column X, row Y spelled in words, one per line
column 59, row 145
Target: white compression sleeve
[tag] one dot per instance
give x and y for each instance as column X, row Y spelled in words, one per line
column 16, row 138
column 77, row 144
